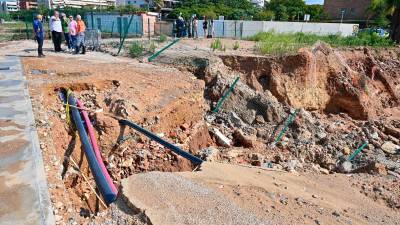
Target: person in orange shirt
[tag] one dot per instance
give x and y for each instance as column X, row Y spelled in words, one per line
column 80, row 32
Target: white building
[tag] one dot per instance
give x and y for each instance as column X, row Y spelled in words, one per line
column 9, row 6
column 259, row 3
column 52, row 4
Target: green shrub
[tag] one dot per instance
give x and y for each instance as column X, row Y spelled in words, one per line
column 236, row 45
column 216, row 45
column 5, row 16
column 136, row 49
column 152, row 47
column 162, row 38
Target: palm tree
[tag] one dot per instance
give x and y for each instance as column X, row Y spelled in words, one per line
column 391, row 8
column 158, row 4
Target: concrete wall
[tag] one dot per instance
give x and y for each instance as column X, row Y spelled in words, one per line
column 243, row 29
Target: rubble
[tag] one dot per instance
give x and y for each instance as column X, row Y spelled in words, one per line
column 390, row 148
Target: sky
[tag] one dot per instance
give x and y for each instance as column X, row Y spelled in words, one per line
column 315, row 2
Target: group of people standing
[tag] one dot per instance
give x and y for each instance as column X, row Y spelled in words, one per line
column 73, row 32
column 189, row 28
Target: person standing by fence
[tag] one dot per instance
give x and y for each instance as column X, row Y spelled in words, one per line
column 72, row 27
column 195, row 25
column 64, row 23
column 81, row 27
column 205, row 26
column 56, row 31
column 39, row 34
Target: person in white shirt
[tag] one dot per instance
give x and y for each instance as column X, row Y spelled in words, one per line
column 56, row 31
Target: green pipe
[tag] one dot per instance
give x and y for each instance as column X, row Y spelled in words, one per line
column 225, row 96
column 155, row 55
column 357, row 151
column 126, row 33
column 288, row 122
column 112, row 29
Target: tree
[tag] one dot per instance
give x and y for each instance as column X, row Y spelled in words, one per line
column 390, row 8
column 231, row 9
column 316, row 12
column 264, row 15
column 287, row 9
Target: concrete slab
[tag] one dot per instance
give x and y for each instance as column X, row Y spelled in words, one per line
column 170, row 199
column 24, row 196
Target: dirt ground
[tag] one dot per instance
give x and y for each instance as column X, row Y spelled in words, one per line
column 345, row 97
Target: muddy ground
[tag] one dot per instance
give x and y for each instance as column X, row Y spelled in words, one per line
column 342, row 98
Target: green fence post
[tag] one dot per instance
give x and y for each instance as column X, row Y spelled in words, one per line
column 151, row 58
column 91, row 15
column 126, row 33
column 112, row 29
column 26, row 29
column 225, row 96
column 288, row 122
column 357, row 151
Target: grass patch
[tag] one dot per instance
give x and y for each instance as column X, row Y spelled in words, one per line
column 274, row 43
column 152, row 47
column 136, row 49
column 216, row 45
column 236, row 45
column 162, row 38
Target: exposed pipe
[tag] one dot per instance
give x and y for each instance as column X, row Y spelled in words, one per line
column 95, row 146
column 101, row 181
column 195, row 160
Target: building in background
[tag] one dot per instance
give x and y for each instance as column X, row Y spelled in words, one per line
column 53, row 4
column 259, row 3
column 28, row 4
column 346, row 10
column 8, row 6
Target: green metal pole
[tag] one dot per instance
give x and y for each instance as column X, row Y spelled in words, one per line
column 226, row 95
column 155, row 55
column 91, row 15
column 126, row 33
column 112, row 29
column 288, row 122
column 26, row 29
column 357, row 151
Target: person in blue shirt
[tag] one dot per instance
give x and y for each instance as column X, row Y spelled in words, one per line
column 39, row 34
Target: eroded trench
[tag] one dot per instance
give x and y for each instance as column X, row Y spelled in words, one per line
column 317, row 80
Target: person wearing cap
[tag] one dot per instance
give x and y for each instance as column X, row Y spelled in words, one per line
column 39, row 34
column 81, row 27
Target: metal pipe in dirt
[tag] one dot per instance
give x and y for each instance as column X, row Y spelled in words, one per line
column 126, row 33
column 155, row 55
column 225, row 96
column 195, row 160
column 352, row 156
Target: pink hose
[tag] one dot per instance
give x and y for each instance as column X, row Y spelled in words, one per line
column 96, row 148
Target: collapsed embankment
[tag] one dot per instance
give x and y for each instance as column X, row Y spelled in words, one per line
column 345, row 99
